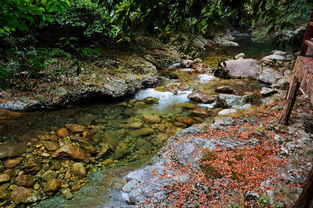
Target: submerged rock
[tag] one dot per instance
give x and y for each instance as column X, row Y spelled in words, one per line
column 201, row 112
column 151, row 100
column 49, row 174
column 4, row 178
column 12, row 150
column 25, row 180
column 73, row 151
column 24, row 195
column 52, row 185
column 13, row 162
column 186, row 120
column 32, row 166
column 151, row 118
column 75, row 128
column 142, row 132
column 79, row 170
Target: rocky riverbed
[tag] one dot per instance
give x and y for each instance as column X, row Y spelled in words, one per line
column 60, row 155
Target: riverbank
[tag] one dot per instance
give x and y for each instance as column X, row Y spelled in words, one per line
column 108, row 74
column 244, row 160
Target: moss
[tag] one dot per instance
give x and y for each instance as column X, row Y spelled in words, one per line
column 208, row 170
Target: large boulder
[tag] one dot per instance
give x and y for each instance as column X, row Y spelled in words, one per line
column 244, row 68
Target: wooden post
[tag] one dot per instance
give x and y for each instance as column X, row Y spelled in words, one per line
column 306, row 198
column 290, row 101
column 307, row 36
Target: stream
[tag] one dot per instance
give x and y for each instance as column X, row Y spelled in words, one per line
column 119, row 135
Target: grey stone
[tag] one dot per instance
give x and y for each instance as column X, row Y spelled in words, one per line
column 269, row 76
column 228, row 101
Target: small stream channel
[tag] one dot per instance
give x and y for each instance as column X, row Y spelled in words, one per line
column 127, row 132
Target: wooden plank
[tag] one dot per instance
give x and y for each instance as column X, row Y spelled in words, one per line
column 309, row 43
column 290, row 101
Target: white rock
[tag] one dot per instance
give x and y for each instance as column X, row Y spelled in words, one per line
column 240, row 55
column 226, row 112
column 268, row 91
column 274, row 58
column 281, row 53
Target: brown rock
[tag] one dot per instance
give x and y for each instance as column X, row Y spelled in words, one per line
column 52, row 185
column 186, row 120
column 32, row 166
column 24, row 195
column 76, row 187
column 24, row 180
column 13, row 162
column 201, row 112
column 51, row 146
column 179, row 124
column 67, row 175
column 55, row 165
column 49, row 174
column 76, row 128
column 79, row 170
column 72, row 151
column 86, row 134
column 201, row 97
column 63, row 132
column 4, row 178
column 142, row 132
column 150, row 118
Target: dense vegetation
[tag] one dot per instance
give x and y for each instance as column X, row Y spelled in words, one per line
column 32, row 30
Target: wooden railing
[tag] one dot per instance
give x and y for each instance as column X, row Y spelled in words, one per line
column 303, row 77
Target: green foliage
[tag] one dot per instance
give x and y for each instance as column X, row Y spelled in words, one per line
column 19, row 14
column 89, row 16
column 122, row 20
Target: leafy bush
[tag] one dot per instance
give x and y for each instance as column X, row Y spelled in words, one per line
column 88, row 15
